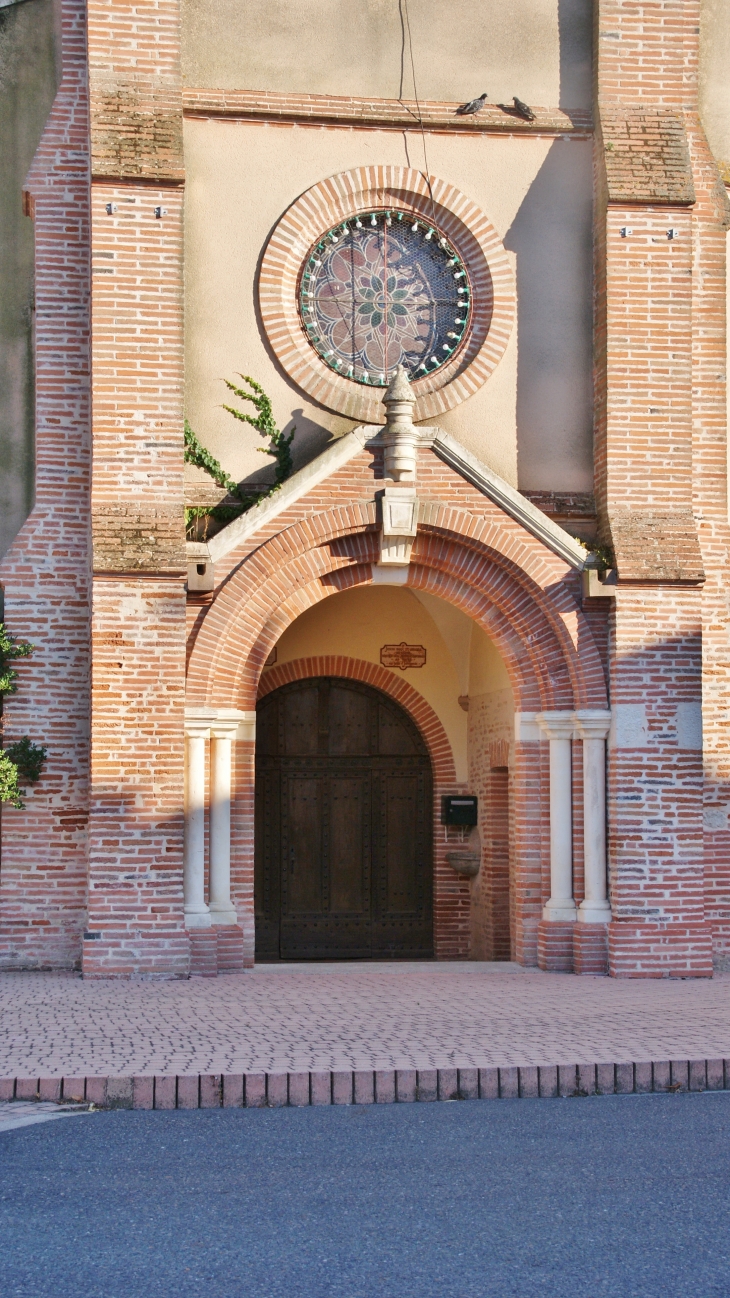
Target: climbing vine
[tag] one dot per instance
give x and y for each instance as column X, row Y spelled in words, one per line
column 279, row 447
column 22, row 762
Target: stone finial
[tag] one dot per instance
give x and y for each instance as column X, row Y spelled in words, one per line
column 399, row 389
column 401, row 437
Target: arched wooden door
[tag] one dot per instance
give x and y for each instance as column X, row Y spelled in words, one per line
column 344, row 804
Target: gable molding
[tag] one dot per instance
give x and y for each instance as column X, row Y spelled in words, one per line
column 462, row 461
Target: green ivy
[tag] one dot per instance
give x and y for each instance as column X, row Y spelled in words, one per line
column 28, row 757
column 279, row 448
column 23, row 760
column 279, row 443
column 10, row 649
column 9, row 790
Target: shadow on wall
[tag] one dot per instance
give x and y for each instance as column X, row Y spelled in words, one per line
column 575, row 33
column 552, row 240
column 27, row 90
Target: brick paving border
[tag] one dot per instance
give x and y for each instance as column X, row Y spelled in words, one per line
column 302, row 1089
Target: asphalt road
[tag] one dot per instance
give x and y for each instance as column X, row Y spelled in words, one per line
column 620, row 1195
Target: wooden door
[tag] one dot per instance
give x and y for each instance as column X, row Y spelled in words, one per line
column 343, row 826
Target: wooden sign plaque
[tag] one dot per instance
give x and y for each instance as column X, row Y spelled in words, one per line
column 403, row 655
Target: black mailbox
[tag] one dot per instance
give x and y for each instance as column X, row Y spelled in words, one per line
column 459, row 810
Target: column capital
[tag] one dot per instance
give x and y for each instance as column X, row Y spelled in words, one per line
column 592, row 723
column 198, row 721
column 206, row 721
column 556, row 725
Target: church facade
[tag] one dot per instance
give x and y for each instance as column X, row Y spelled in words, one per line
column 448, row 676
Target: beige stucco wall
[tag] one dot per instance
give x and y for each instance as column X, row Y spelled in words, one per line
column 357, row 623
column 531, row 422
column 715, row 78
column 537, row 49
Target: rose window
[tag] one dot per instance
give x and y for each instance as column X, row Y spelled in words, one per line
column 384, row 289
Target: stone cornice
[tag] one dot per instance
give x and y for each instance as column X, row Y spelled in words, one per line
column 510, row 500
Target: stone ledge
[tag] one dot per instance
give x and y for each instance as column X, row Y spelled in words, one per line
column 136, row 129
column 646, row 156
column 653, row 547
column 436, row 115
column 368, row 1086
column 130, row 538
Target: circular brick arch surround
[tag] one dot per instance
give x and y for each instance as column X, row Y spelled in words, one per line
column 468, row 229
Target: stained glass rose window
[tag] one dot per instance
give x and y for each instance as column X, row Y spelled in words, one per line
column 384, row 289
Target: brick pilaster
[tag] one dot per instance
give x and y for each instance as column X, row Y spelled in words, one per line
column 138, row 606
column 646, row 249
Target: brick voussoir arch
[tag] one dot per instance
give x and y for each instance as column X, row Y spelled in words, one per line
column 237, row 680
column 535, row 687
column 320, row 550
column 224, row 665
column 380, row 678
column 498, row 585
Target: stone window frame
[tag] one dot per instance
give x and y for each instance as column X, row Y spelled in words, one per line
column 365, row 189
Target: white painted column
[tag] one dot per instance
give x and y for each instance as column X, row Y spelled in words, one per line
column 197, row 914
column 222, row 735
column 593, row 728
column 558, row 726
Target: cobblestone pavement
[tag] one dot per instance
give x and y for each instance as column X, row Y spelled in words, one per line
column 353, row 1016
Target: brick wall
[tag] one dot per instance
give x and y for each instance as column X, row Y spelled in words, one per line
column 45, row 574
column 138, row 601
column 491, row 730
column 661, row 498
column 659, row 437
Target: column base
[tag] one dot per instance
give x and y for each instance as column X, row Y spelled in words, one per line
column 594, row 912
column 197, row 918
column 659, row 950
column 559, row 912
column 225, row 916
column 590, row 949
column 555, row 946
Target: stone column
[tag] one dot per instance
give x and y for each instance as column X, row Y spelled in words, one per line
column 558, row 726
column 593, row 729
column 197, row 914
column 400, row 436
column 222, row 735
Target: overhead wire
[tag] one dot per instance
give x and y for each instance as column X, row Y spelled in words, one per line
column 426, row 173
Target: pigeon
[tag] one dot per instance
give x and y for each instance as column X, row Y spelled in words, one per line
column 524, row 110
column 474, row 105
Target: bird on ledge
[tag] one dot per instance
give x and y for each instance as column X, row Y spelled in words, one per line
column 524, row 110
column 474, row 105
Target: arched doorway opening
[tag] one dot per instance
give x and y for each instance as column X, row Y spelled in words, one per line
column 343, row 832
